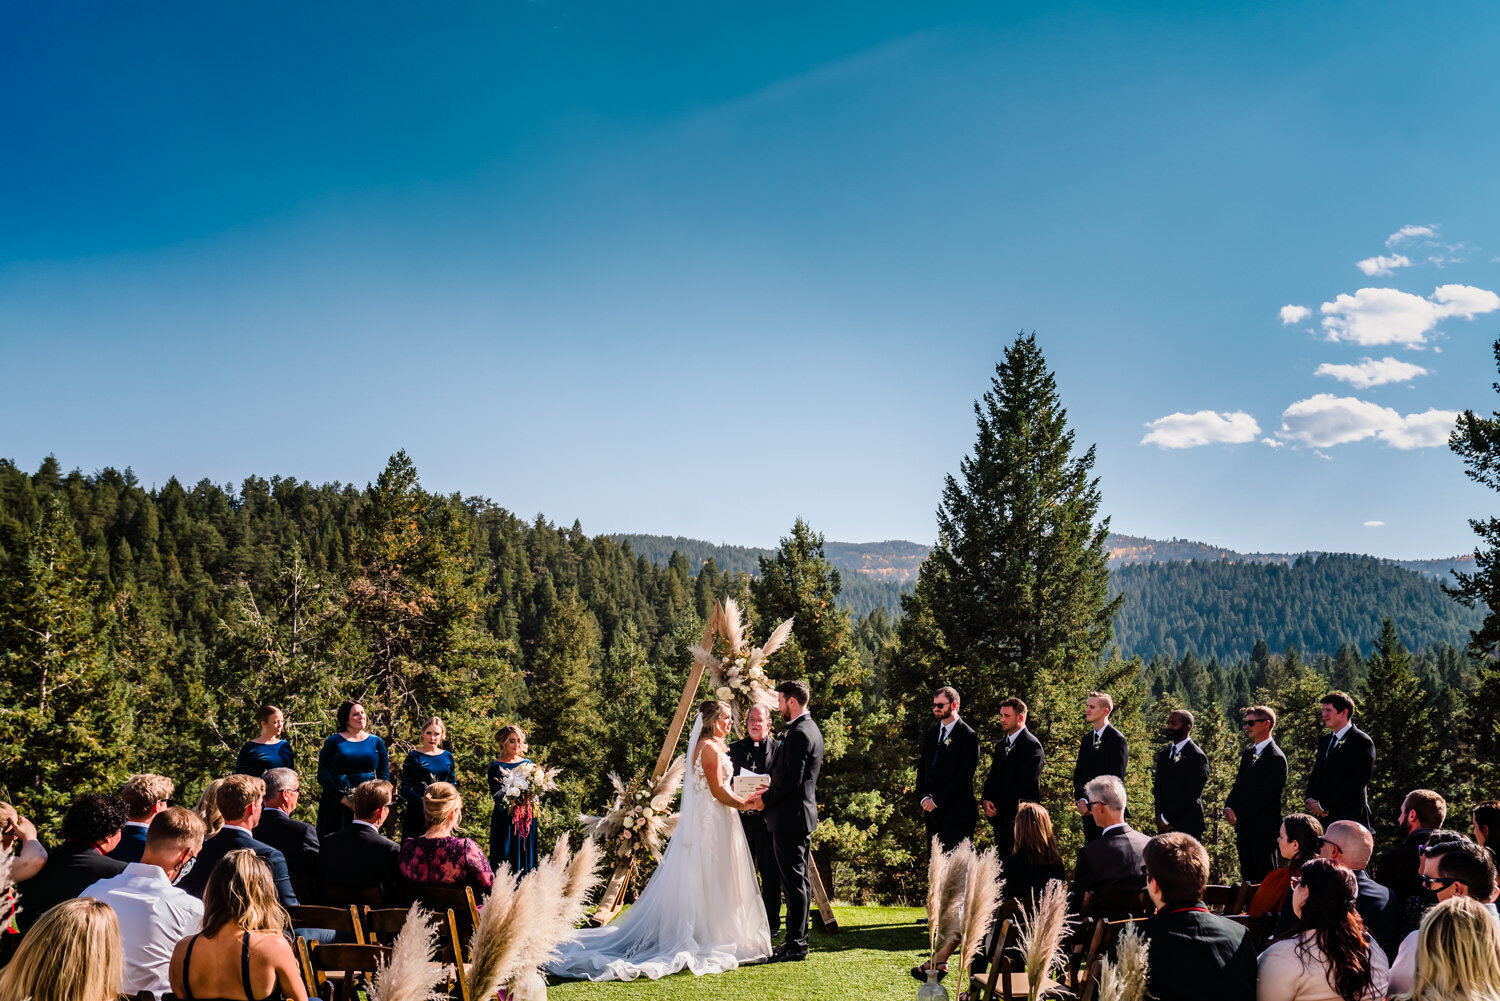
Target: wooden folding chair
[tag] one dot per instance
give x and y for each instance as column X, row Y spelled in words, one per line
column 344, row 970
column 1220, row 898
column 459, row 900
column 342, row 895
column 1086, row 969
column 1259, row 927
column 451, row 952
column 1242, row 902
column 383, row 925
column 1115, row 904
column 343, row 921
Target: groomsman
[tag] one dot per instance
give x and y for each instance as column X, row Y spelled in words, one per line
column 1181, row 774
column 1253, row 806
column 1102, row 751
column 945, row 773
column 1015, row 775
column 1338, row 788
column 755, row 753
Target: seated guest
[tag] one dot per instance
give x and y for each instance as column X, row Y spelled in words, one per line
column 1035, row 861
column 243, row 952
column 239, row 799
column 1487, row 826
column 1297, row 841
column 18, row 836
column 297, row 841
column 155, row 915
column 1194, row 952
column 1409, row 911
column 1112, row 861
column 1449, row 869
column 438, row 857
column 1422, row 812
column 360, row 857
column 90, row 828
column 1458, row 953
column 208, row 807
column 145, row 796
column 1331, row 957
column 1349, row 843
column 71, row 954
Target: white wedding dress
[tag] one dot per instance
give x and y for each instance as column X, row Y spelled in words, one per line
column 701, row 910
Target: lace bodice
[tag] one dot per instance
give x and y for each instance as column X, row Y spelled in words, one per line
column 700, row 773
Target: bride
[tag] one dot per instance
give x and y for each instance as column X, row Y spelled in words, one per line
column 701, row 910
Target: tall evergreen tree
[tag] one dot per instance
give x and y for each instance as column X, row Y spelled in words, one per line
column 1396, row 712
column 1476, row 440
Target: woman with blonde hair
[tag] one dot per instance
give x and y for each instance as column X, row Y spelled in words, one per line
column 243, row 952
column 73, row 953
column 208, row 808
column 440, row 857
column 512, row 830
column 1458, row 953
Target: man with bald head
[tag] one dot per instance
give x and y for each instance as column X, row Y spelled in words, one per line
column 1350, row 844
column 753, row 753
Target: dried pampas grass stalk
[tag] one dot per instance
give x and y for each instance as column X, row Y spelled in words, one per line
column 937, row 868
column 411, row 975
column 951, row 909
column 499, row 936
column 546, row 885
column 1126, row 978
column 981, row 897
column 1041, row 939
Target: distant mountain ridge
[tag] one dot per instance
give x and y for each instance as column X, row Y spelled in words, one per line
column 1130, row 550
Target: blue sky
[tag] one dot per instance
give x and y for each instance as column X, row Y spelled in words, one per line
column 703, row 269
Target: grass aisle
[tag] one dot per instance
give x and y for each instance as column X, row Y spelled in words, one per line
column 868, row 958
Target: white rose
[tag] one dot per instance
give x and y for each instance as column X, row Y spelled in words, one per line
column 756, row 674
column 736, row 683
column 723, row 693
column 648, row 812
column 659, row 804
column 629, row 822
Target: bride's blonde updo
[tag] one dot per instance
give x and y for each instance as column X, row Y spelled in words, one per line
column 711, row 711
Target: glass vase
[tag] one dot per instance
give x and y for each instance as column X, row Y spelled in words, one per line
column 932, row 990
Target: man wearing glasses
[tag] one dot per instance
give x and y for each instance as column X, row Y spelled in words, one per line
column 1254, row 803
column 155, row 915
column 1350, row 845
column 945, row 773
column 1449, row 869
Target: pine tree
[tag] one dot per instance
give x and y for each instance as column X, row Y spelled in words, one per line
column 1295, row 692
column 1397, row 713
column 1477, row 441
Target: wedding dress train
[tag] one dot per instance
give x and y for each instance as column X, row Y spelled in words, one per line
column 701, row 910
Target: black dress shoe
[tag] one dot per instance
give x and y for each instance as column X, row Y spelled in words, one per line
column 920, row 973
column 787, row 956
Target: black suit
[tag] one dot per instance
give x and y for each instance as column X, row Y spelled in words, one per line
column 1111, row 863
column 132, row 844
column 1197, row 954
column 747, row 755
column 1015, row 777
column 298, row 844
column 1340, row 778
column 1107, row 758
column 1398, row 869
column 1177, row 788
column 1255, row 799
column 791, row 809
column 69, row 869
column 360, row 856
column 227, row 840
column 945, row 772
column 1377, row 905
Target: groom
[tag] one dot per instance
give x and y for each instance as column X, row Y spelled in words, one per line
column 791, row 810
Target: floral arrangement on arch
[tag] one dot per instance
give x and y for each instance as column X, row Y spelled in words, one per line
column 521, row 790
column 735, row 670
column 641, row 817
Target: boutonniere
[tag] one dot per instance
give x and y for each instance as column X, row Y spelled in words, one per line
column 948, row 741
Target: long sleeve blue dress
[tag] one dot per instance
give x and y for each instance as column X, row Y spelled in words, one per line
column 342, row 765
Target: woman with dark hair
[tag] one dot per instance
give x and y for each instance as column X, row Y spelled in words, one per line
column 269, row 750
column 512, row 831
column 1297, row 842
column 429, row 763
column 349, row 757
column 1331, row 957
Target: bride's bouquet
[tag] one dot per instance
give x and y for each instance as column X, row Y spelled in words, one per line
column 521, row 791
column 641, row 815
column 735, row 670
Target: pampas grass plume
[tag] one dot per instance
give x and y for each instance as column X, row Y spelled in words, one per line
column 955, row 882
column 937, row 868
column 411, row 975
column 1041, row 937
column 1133, row 957
column 981, row 897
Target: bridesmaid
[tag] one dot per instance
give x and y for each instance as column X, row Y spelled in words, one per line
column 268, row 750
column 349, row 757
column 512, row 833
column 422, row 767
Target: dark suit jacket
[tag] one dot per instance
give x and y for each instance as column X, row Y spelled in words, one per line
column 1256, row 795
column 791, row 804
column 1377, row 905
column 1177, row 788
column 1196, row 954
column 1015, row 778
column 1112, row 862
column 227, row 840
column 1340, row 780
column 296, row 841
column 132, row 844
column 68, row 870
column 359, row 856
column 947, row 773
column 1398, row 868
column 1109, row 759
column 742, row 758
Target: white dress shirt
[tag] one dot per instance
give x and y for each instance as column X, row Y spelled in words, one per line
column 154, row 916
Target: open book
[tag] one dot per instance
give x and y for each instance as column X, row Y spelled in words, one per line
column 748, row 782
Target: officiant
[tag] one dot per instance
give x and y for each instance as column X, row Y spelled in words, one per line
column 753, row 754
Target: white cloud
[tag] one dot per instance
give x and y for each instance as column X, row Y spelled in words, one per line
column 1202, row 428
column 1323, row 420
column 1372, row 373
column 1294, row 314
column 1383, row 265
column 1389, row 316
column 1273, row 442
column 1409, row 233
column 1374, row 524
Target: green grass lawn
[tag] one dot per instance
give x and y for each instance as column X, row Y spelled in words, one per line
column 868, row 958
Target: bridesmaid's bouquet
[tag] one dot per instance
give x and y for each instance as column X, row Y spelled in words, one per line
column 736, row 671
column 521, row 791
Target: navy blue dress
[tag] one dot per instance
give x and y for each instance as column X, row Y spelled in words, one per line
column 419, row 771
column 342, row 765
column 506, row 846
column 257, row 759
